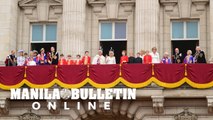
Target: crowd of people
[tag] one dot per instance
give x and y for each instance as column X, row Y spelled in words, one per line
column 143, row 57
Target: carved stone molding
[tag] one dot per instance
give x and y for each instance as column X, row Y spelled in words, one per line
column 210, row 103
column 158, row 104
column 200, row 4
column 97, row 5
column 42, row 7
column 112, row 6
column 29, row 116
column 4, row 106
column 169, row 4
column 186, row 115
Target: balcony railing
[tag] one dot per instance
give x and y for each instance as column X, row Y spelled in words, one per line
column 198, row 76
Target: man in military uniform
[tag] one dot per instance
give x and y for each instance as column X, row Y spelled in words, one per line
column 177, row 57
column 199, row 56
column 53, row 57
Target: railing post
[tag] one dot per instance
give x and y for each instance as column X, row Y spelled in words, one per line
column 88, row 70
column 25, row 72
column 186, row 70
column 120, row 73
column 56, row 71
column 153, row 71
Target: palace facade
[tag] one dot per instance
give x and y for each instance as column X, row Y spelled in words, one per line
column 74, row 26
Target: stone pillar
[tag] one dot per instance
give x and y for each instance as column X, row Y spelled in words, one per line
column 210, row 48
column 146, row 24
column 8, row 27
column 74, row 15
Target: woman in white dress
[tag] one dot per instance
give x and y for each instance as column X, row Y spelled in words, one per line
column 111, row 58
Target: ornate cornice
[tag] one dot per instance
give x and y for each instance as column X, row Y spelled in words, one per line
column 29, row 116
column 43, row 7
column 4, row 103
column 210, row 103
column 112, row 6
column 158, row 104
column 169, row 4
column 186, row 115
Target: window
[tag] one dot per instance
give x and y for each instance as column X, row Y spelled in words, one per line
column 113, row 31
column 188, row 30
column 44, row 33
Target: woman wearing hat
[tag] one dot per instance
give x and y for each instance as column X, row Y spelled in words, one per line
column 21, row 58
column 42, row 57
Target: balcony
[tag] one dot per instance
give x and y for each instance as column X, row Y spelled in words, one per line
column 198, row 76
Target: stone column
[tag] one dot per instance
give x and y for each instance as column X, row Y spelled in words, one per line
column 74, row 14
column 210, row 43
column 146, row 24
column 8, row 27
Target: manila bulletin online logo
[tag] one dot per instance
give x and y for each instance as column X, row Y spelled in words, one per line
column 72, row 94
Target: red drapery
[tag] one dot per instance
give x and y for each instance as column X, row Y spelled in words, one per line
column 169, row 73
column 40, row 75
column 103, row 76
column 200, row 73
column 11, row 75
column 136, row 73
column 73, row 74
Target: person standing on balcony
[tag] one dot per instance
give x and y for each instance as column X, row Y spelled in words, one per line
column 189, row 58
column 147, row 58
column 177, row 57
column 35, row 56
column 138, row 59
column 131, row 58
column 99, row 59
column 53, row 57
column 199, row 56
column 42, row 57
column 86, row 58
column 62, row 60
column 124, row 58
column 30, row 61
column 69, row 60
column 21, row 58
column 155, row 56
column 166, row 59
column 78, row 60
column 11, row 59
column 111, row 58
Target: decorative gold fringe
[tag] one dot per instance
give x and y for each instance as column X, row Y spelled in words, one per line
column 153, row 72
column 56, row 73
column 186, row 70
column 87, row 70
column 120, row 74
column 25, row 72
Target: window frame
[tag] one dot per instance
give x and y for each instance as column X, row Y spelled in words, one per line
column 184, row 30
column 113, row 31
column 44, row 32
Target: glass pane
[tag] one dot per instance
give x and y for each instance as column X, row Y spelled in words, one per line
column 106, row 30
column 120, row 30
column 192, row 29
column 37, row 32
column 177, row 30
column 51, row 32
